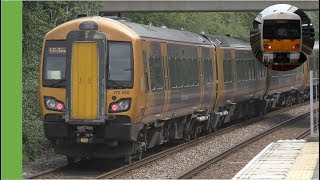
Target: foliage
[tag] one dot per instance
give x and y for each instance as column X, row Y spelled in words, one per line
column 38, row 18
column 314, row 18
column 233, row 23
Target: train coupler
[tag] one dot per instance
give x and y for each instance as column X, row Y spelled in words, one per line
column 84, row 134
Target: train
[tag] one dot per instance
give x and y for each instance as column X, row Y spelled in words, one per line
column 112, row 88
column 281, row 38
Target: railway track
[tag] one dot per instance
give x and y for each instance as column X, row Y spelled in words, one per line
column 305, row 133
column 47, row 172
column 126, row 168
column 203, row 165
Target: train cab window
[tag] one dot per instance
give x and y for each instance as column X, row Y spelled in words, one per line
column 120, row 61
column 54, row 64
column 156, row 68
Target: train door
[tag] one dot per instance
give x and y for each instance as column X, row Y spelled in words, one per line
column 220, row 74
column 213, row 55
column 145, row 56
column 201, row 74
column 228, row 75
column 234, row 73
column 164, row 56
column 208, row 76
column 85, row 75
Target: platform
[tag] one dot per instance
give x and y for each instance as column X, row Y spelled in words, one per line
column 284, row 159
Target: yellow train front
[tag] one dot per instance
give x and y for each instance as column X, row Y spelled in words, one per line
column 281, row 38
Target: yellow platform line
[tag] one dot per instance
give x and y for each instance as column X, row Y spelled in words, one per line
column 304, row 166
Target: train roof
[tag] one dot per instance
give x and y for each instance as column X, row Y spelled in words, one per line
column 185, row 36
column 163, row 33
column 281, row 16
column 146, row 31
column 228, row 41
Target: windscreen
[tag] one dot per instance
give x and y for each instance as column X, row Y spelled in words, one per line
column 281, row 29
column 120, row 70
column 120, row 65
column 54, row 64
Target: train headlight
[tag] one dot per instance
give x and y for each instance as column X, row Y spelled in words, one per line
column 53, row 104
column 120, row 105
column 50, row 103
column 267, row 46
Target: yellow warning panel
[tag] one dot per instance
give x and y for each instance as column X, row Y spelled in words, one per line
column 84, row 87
column 305, row 164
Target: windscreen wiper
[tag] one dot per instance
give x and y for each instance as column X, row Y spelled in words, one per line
column 115, row 84
column 58, row 83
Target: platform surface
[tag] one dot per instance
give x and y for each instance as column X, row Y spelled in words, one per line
column 284, row 159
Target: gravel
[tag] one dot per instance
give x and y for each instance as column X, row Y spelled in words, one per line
column 44, row 162
column 228, row 168
column 171, row 166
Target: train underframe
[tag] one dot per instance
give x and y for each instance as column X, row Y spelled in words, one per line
column 281, row 58
column 113, row 140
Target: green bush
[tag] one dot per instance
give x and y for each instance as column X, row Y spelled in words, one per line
column 38, row 18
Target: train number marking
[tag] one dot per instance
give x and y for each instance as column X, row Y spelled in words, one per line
column 121, row 92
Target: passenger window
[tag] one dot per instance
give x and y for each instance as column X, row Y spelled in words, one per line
column 185, row 72
column 172, row 72
column 179, row 72
column 172, row 56
column 196, row 71
column 191, row 72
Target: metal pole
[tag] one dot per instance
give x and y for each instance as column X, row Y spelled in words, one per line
column 311, row 102
column 317, row 114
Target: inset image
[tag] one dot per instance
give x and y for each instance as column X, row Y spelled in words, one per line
column 282, row 37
